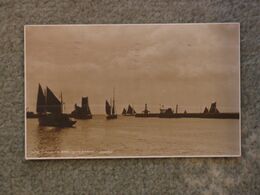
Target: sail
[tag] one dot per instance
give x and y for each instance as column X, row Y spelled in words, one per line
column 213, row 108
column 124, row 111
column 85, row 105
column 206, row 110
column 108, row 108
column 53, row 105
column 129, row 109
column 40, row 106
column 113, row 110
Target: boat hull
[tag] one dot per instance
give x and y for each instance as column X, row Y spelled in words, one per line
column 53, row 120
column 31, row 115
column 82, row 117
column 109, row 117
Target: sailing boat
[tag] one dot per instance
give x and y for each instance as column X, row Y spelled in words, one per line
column 130, row 111
column 82, row 112
column 50, row 110
column 110, row 108
column 124, row 112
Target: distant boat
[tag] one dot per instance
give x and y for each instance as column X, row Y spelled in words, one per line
column 206, row 110
column 124, row 112
column 50, row 110
column 130, row 111
column 110, row 108
column 213, row 108
column 166, row 113
column 82, row 112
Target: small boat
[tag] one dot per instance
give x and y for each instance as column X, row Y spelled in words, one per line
column 124, row 112
column 82, row 112
column 110, row 108
column 213, row 108
column 166, row 113
column 50, row 110
column 130, row 111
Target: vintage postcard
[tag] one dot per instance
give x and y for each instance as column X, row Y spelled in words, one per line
column 132, row 91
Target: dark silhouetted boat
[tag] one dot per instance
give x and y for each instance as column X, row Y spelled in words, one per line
column 129, row 112
column 31, row 115
column 110, row 108
column 50, row 110
column 124, row 112
column 206, row 110
column 213, row 108
column 166, row 113
column 82, row 112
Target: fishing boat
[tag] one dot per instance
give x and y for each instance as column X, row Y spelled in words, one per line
column 110, row 108
column 124, row 112
column 166, row 113
column 50, row 110
column 129, row 112
column 213, row 108
column 82, row 112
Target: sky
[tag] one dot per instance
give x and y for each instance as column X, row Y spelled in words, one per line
column 190, row 65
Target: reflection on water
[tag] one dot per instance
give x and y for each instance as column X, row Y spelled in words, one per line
column 130, row 136
column 49, row 141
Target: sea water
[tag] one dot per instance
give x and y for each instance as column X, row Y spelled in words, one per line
column 131, row 136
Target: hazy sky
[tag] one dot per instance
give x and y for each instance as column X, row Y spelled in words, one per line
column 190, row 65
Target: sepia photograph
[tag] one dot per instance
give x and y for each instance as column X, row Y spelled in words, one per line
column 132, row 91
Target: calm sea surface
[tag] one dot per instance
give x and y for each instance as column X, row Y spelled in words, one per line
column 130, row 136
